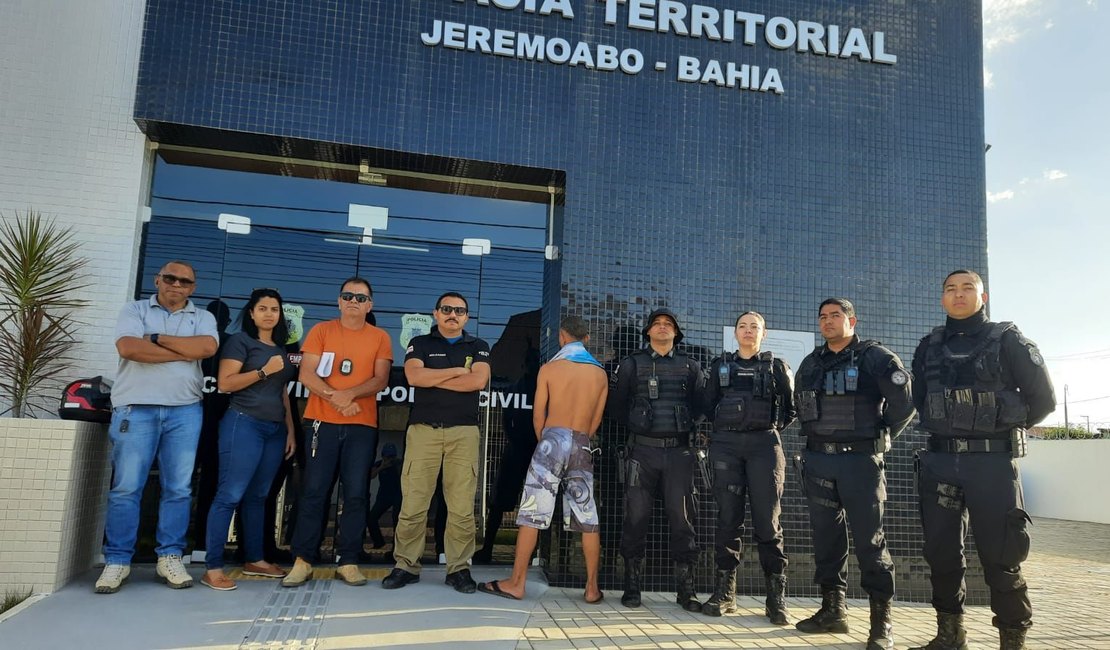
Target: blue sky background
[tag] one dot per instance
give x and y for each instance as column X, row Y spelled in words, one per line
column 1047, row 78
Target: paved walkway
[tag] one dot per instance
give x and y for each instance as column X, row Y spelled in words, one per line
column 1069, row 573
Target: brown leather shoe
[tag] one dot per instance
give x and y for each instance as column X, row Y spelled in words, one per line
column 218, row 581
column 262, row 570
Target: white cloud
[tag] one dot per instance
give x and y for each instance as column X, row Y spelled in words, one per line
column 1024, row 181
column 1054, row 174
column 1049, row 25
column 1006, row 21
column 1005, row 195
column 988, row 78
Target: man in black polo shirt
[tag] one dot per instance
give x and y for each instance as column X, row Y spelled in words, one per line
column 448, row 368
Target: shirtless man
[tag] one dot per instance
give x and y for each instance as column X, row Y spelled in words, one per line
column 570, row 398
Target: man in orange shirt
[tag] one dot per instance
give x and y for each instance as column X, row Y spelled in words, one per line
column 346, row 362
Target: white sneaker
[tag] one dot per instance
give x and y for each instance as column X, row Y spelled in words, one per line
column 173, row 572
column 112, row 577
column 443, row 558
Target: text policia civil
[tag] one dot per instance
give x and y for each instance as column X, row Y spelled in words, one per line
column 687, row 20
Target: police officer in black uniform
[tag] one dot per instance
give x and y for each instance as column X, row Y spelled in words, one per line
column 977, row 385
column 655, row 392
column 750, row 398
column 853, row 397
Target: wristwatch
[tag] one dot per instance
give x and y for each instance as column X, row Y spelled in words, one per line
column 261, row 374
column 154, row 338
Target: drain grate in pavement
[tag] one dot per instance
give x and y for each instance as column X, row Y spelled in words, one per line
column 291, row 618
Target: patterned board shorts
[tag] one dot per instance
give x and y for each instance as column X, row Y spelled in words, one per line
column 562, row 457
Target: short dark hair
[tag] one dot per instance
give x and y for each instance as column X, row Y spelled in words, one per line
column 358, row 280
column 845, row 305
column 575, row 326
column 453, row 294
column 762, row 320
column 180, row 263
column 246, row 323
column 974, row 276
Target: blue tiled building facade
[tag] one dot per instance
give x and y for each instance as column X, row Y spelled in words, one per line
column 859, row 174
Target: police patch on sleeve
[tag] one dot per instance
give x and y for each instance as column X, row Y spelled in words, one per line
column 899, row 378
column 1035, row 356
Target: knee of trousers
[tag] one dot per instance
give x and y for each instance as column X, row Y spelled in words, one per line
column 1003, row 579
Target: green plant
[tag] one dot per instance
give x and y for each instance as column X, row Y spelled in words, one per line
column 13, row 597
column 40, row 280
column 1070, row 433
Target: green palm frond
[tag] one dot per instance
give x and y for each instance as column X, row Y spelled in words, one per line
column 40, row 285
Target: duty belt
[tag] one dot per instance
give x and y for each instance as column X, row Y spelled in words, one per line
column 876, row 446
column 660, row 443
column 969, row 445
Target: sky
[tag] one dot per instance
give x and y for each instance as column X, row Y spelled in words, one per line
column 1047, row 91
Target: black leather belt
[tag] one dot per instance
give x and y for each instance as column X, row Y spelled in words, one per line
column 765, row 430
column 855, row 447
column 969, row 445
column 660, row 443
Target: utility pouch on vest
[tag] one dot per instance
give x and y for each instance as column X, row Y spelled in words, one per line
column 682, row 418
column 963, row 409
column 935, row 408
column 986, row 412
column 807, row 406
column 1018, row 442
column 640, row 415
column 730, row 412
column 1012, row 410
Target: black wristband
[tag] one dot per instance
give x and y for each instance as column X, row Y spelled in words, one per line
column 154, row 338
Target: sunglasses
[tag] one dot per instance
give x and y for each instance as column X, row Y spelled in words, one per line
column 447, row 310
column 357, row 297
column 171, row 279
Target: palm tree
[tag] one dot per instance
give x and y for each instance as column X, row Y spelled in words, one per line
column 39, row 279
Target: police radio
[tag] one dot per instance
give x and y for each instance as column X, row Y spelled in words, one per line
column 724, row 372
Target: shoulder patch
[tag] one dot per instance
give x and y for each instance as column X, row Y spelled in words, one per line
column 899, row 377
column 1035, row 356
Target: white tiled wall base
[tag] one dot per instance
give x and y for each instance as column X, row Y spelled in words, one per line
column 54, row 478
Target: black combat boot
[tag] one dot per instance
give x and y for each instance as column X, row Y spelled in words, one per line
column 632, row 572
column 723, row 600
column 881, row 636
column 1011, row 638
column 951, row 634
column 832, row 617
column 684, row 585
column 776, row 599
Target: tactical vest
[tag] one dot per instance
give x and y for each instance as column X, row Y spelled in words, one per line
column 967, row 393
column 665, row 410
column 831, row 405
column 750, row 401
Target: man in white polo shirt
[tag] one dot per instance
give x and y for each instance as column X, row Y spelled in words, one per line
column 156, row 414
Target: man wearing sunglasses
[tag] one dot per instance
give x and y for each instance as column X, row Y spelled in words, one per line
column 448, row 369
column 156, row 413
column 345, row 363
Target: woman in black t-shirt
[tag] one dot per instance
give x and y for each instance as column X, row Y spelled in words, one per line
column 255, row 434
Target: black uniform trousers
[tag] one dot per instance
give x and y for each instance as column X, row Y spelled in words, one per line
column 748, row 464
column 348, row 448
column 842, row 487
column 985, row 488
column 653, row 472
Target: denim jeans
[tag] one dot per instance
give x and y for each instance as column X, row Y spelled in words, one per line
column 140, row 434
column 351, row 449
column 250, row 454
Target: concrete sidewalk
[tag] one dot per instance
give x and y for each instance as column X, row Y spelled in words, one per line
column 1069, row 574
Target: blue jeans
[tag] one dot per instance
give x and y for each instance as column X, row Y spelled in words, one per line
column 140, row 434
column 250, row 455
